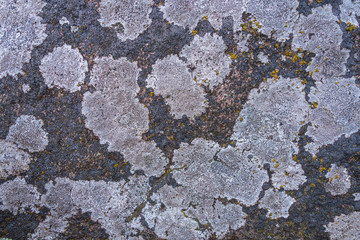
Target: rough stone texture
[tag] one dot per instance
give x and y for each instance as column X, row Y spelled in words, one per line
column 179, row 119
column 69, row 70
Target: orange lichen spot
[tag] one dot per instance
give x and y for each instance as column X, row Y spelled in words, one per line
column 194, row 32
column 276, row 45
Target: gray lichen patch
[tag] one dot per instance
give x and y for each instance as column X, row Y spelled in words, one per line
column 276, row 18
column 110, row 203
column 277, row 203
column 333, row 114
column 231, row 176
column 350, row 10
column 128, row 18
column 173, row 81
column 27, row 133
column 318, row 31
column 19, row 33
column 64, row 68
column 208, row 58
column 188, row 13
column 16, row 195
column 338, row 180
column 13, row 160
column 345, row 227
column 115, row 114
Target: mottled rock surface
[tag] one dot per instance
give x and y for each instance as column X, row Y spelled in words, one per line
column 179, row 119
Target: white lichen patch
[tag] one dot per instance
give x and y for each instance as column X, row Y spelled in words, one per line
column 277, row 203
column 338, row 180
column 329, row 64
column 288, row 176
column 333, row 114
column 208, row 58
column 110, row 203
column 188, row 13
column 350, row 9
column 27, row 133
column 63, row 21
column 284, row 99
column 171, row 79
column 20, row 31
column 178, row 212
column 345, row 227
column 115, row 114
column 263, row 58
column 16, row 196
column 267, row 127
column 26, row 88
column 129, row 18
column 276, row 18
column 64, row 68
column 201, row 178
column 230, row 176
column 242, row 42
column 318, row 31
column 356, row 196
column 13, row 161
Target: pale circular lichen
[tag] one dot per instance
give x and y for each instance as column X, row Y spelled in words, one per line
column 64, row 68
column 27, row 133
column 171, row 78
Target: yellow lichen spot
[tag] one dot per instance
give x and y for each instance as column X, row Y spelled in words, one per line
column 217, row 72
column 350, row 27
column 168, row 23
column 331, row 179
column 336, row 82
column 276, row 45
column 322, row 168
column 274, row 74
column 312, row 185
column 233, row 56
column 303, row 62
column 126, row 163
column 301, row 32
column 151, row 94
column 171, row 137
column 295, row 58
column 205, row 18
column 295, row 157
column 276, row 165
column 286, row 25
column 194, row 32
column 195, row 79
column 116, row 165
column 316, row 70
column 258, row 25
column 336, row 176
column 315, row 104
column 274, row 160
column 241, row 118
